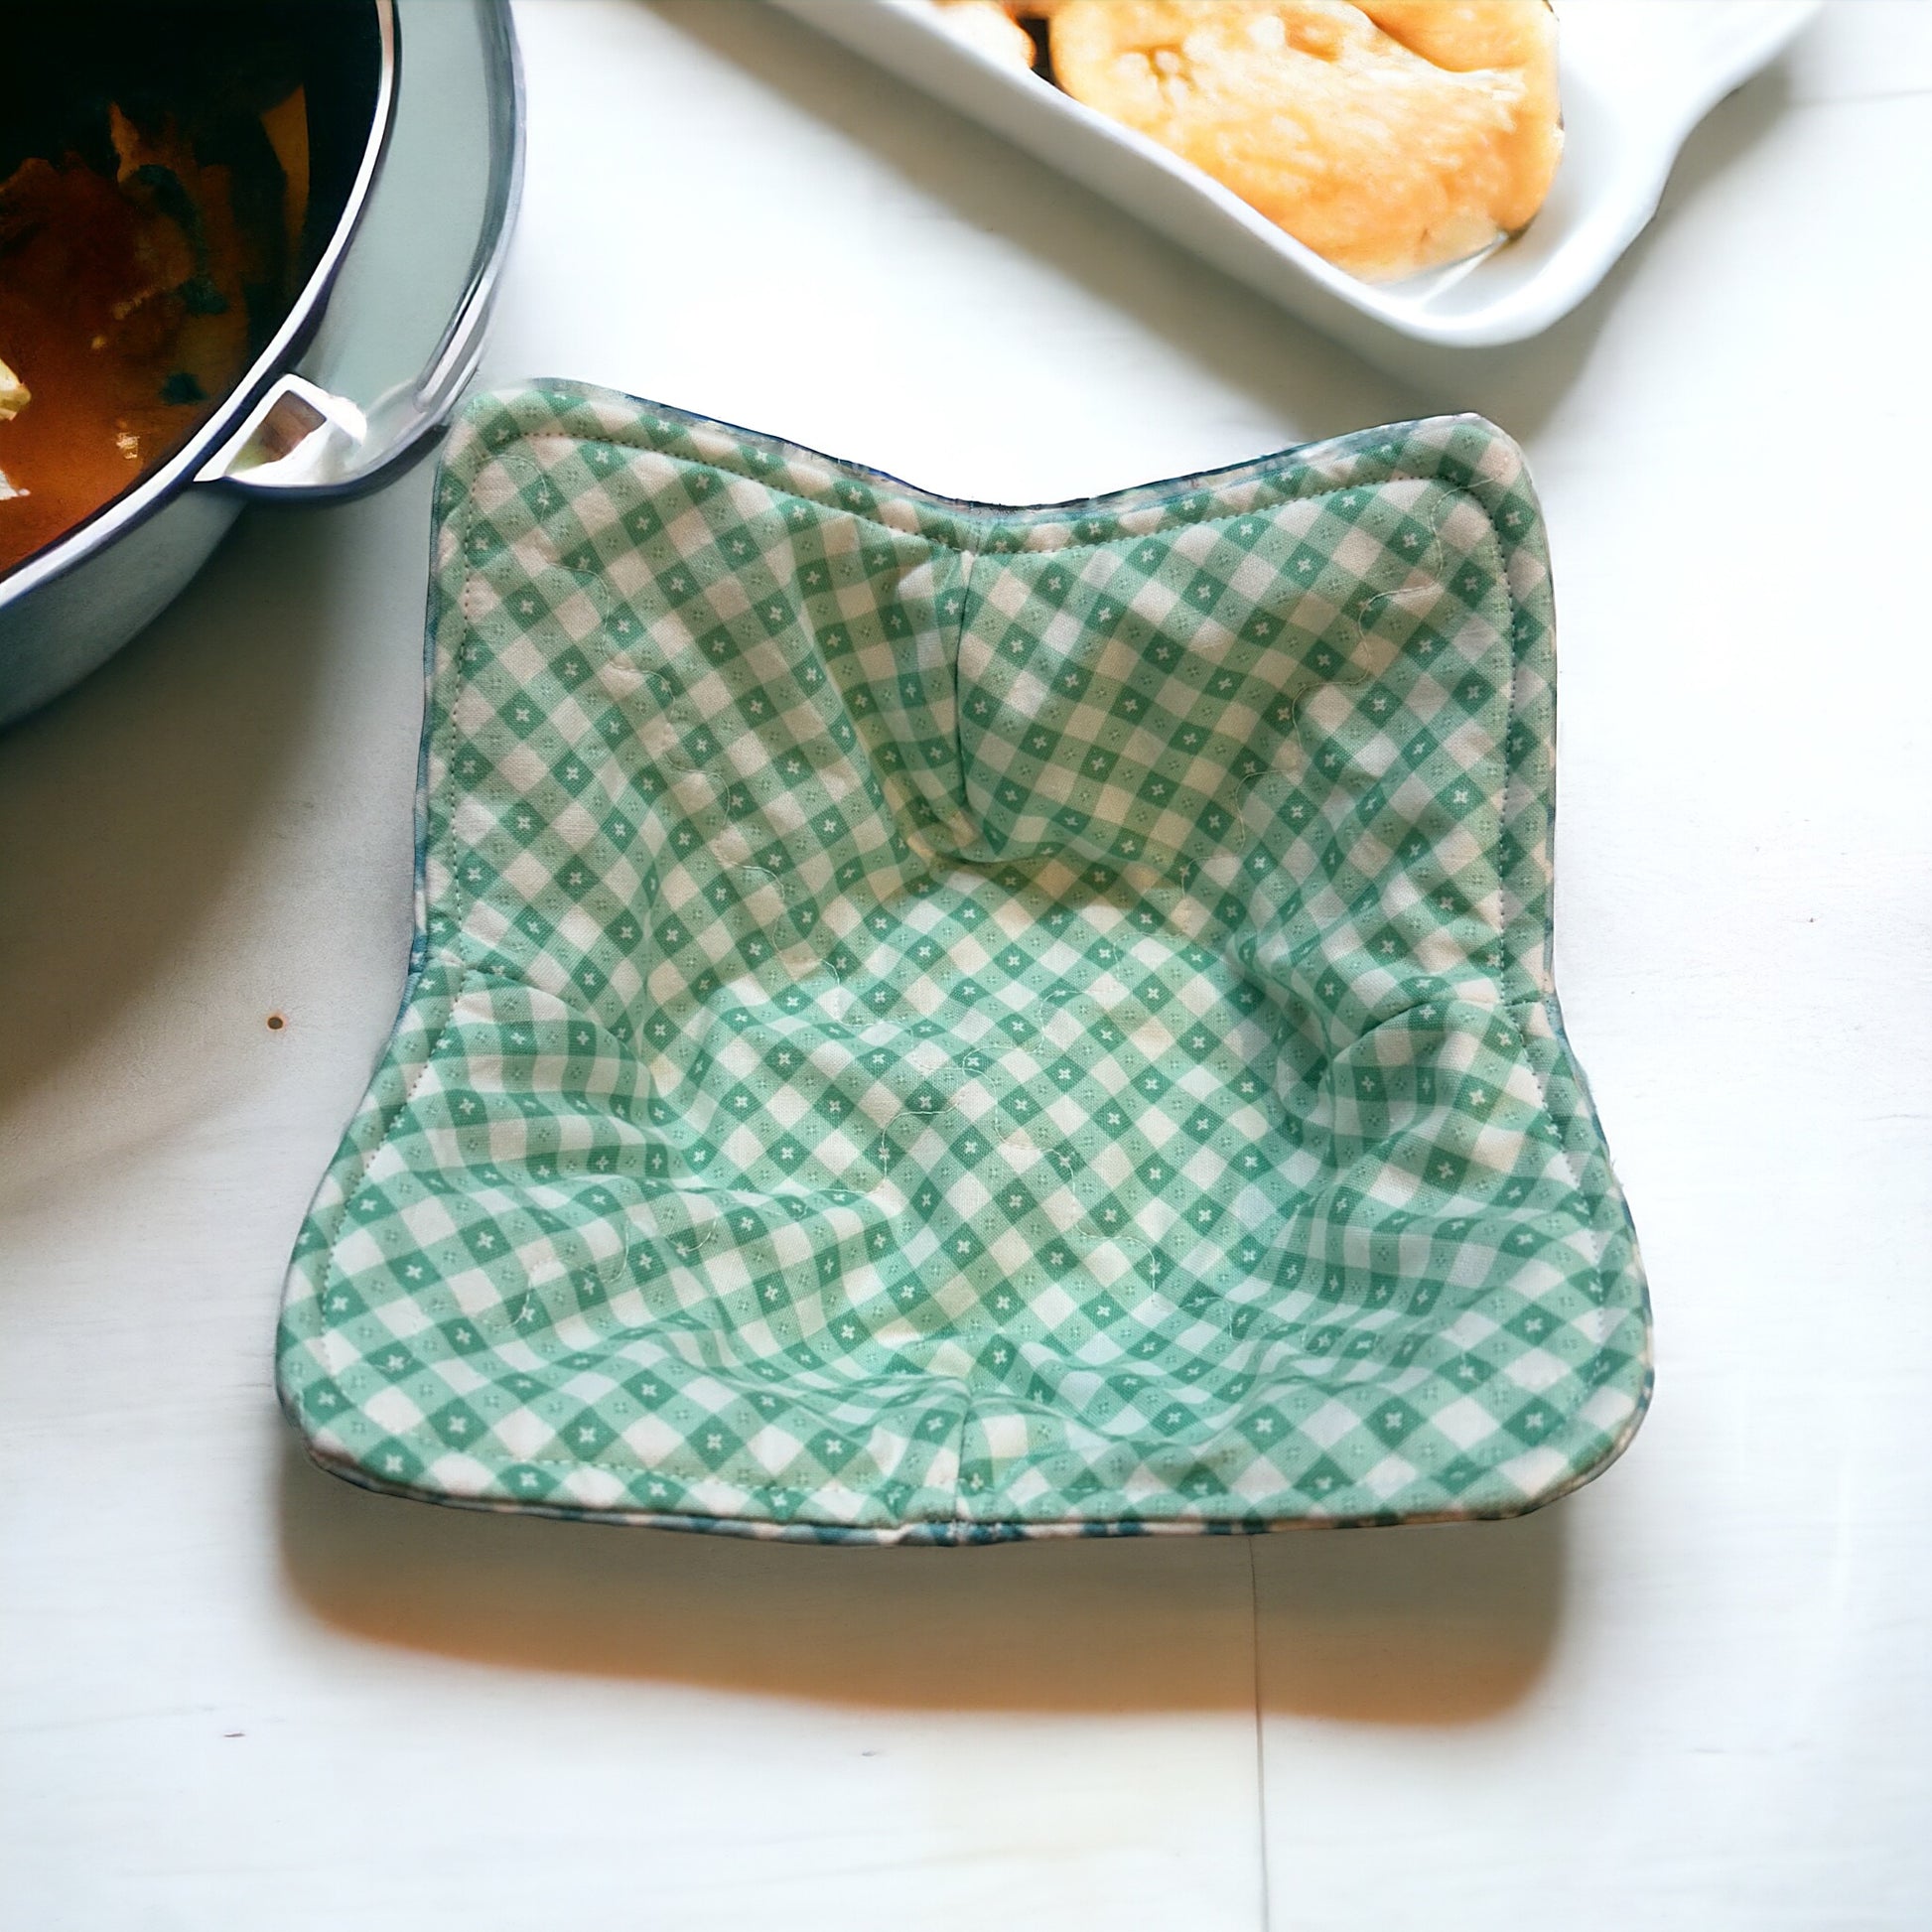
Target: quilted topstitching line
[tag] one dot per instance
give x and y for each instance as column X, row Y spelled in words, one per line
column 991, row 517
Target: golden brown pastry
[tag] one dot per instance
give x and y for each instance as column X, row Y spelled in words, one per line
column 989, row 27
column 1389, row 135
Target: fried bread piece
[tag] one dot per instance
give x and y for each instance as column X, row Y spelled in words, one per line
column 1390, row 136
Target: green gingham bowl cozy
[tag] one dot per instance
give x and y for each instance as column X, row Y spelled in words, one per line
column 936, row 1023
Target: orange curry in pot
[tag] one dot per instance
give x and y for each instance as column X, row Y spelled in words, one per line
column 148, row 249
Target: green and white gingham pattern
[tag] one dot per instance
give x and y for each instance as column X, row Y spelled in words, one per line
column 940, row 1022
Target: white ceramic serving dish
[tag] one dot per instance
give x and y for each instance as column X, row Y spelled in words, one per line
column 1636, row 75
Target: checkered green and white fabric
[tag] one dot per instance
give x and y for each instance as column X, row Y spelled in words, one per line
column 937, row 1022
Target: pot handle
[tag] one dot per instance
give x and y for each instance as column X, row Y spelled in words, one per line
column 422, row 269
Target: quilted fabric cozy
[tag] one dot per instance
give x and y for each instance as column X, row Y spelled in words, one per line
column 934, row 1023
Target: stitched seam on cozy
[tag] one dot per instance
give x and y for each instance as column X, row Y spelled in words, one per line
column 968, row 558
column 984, row 518
column 1506, row 921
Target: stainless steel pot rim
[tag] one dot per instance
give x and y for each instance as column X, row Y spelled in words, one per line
column 200, row 462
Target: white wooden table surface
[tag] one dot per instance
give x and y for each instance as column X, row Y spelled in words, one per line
column 237, row 1694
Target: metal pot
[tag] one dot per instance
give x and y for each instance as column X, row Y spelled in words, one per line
column 416, row 132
